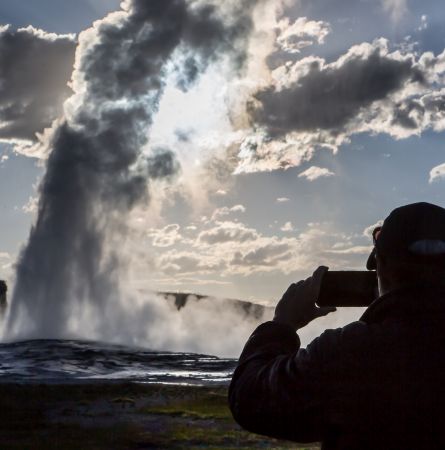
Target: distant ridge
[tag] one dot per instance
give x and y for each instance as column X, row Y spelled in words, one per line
column 248, row 308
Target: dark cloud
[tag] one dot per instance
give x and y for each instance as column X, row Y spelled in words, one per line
column 327, row 97
column 163, row 164
column 35, row 68
column 95, row 173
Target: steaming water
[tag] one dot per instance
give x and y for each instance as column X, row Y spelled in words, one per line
column 59, row 361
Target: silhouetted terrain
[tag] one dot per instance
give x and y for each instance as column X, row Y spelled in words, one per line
column 249, row 309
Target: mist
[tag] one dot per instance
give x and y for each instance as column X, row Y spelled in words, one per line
column 70, row 278
column 120, row 138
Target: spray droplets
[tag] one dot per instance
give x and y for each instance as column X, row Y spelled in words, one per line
column 96, row 174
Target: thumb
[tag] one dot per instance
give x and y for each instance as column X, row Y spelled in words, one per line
column 317, row 278
column 325, row 311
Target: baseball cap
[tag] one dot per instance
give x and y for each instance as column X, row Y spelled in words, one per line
column 412, row 233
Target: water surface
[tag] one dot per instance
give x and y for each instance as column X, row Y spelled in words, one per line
column 60, row 361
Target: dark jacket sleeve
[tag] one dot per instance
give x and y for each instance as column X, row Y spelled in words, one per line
column 278, row 389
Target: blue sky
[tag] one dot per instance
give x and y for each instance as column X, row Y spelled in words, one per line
column 55, row 16
column 248, row 235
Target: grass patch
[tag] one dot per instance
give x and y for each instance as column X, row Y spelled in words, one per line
column 125, row 416
column 193, row 436
column 209, row 404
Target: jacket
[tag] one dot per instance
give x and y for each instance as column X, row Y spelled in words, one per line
column 377, row 383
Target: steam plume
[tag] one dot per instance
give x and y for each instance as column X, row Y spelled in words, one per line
column 95, row 173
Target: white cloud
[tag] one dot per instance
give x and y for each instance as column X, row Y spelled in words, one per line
column 302, row 33
column 258, row 153
column 31, row 206
column 367, row 232
column 437, row 173
column 314, row 173
column 287, row 227
column 185, row 262
column 165, row 237
column 226, row 211
column 356, row 250
column 238, row 208
column 227, row 232
column 283, row 200
column 233, row 249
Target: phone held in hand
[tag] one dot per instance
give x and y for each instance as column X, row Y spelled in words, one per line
column 348, row 288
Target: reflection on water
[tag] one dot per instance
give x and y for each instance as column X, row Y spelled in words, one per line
column 59, row 361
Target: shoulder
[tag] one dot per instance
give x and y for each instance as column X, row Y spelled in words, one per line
column 333, row 343
column 339, row 336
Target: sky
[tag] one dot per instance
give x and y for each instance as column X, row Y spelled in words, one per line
column 335, row 116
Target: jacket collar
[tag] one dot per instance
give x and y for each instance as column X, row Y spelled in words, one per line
column 418, row 300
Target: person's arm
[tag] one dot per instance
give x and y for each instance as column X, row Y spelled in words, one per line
column 278, row 388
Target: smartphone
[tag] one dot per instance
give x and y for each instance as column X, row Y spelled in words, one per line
column 348, row 288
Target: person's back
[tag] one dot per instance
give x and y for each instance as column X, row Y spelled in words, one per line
column 377, row 383
column 385, row 376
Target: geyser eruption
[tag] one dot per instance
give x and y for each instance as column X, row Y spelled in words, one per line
column 96, row 173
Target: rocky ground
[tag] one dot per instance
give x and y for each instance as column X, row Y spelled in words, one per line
column 122, row 416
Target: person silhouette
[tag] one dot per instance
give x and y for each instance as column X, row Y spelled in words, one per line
column 377, row 383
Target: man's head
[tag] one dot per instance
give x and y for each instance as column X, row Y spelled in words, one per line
column 409, row 248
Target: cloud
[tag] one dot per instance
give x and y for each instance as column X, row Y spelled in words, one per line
column 35, row 68
column 227, row 232
column 283, row 200
column 314, row 173
column 437, row 173
column 165, row 237
column 287, row 227
column 311, row 104
column 187, row 262
column 161, row 164
column 311, row 94
column 226, row 211
column 367, row 232
column 228, row 250
column 292, row 38
column 265, row 255
column 357, row 250
column 31, row 205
